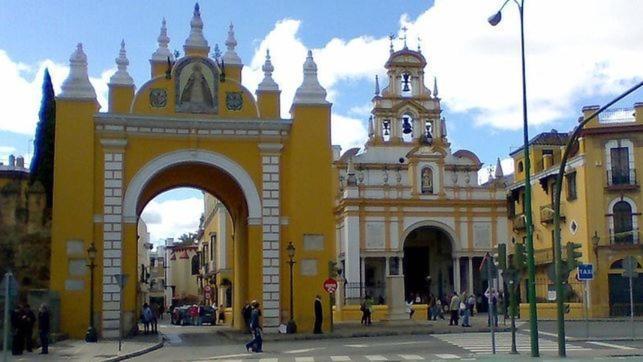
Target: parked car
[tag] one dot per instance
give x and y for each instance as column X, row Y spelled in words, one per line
column 208, row 315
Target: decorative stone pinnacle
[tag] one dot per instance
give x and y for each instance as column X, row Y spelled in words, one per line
column 196, row 41
column 231, row 57
column 121, row 77
column 77, row 85
column 498, row 174
column 390, row 39
column 163, row 52
column 377, row 86
column 371, row 127
column 268, row 83
column 310, row 91
column 435, row 87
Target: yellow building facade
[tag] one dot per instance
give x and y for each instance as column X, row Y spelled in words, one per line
column 600, row 200
column 192, row 124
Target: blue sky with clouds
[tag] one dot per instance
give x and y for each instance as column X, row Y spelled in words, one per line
column 579, row 52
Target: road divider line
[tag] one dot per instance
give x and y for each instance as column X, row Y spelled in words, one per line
column 447, row 356
column 302, row 350
column 376, row 358
column 610, row 345
column 340, row 358
column 411, row 357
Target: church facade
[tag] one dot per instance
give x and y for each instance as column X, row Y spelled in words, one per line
column 411, row 218
column 193, row 124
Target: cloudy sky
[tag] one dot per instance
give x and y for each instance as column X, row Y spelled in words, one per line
column 579, row 52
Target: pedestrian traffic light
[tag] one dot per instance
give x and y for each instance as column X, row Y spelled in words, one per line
column 519, row 259
column 573, row 256
column 502, row 256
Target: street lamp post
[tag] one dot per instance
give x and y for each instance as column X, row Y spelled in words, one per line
column 531, row 267
column 91, row 335
column 291, row 327
column 557, row 244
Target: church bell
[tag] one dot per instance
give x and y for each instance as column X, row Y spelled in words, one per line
column 406, row 126
column 405, row 81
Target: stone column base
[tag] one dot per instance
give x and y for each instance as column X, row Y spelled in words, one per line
column 395, row 297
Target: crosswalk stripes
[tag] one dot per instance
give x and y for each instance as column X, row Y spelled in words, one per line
column 343, row 358
column 480, row 343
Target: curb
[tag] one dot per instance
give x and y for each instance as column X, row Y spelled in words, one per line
column 140, row 352
column 237, row 337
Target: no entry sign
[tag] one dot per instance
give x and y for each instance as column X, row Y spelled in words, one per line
column 330, row 285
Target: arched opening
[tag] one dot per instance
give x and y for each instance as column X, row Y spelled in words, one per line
column 226, row 182
column 619, row 290
column 407, row 128
column 428, row 264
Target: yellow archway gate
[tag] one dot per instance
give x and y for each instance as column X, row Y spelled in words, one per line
column 192, row 124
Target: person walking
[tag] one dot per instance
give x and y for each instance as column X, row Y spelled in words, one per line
column 246, row 311
column 155, row 317
column 465, row 311
column 256, row 344
column 454, row 306
column 471, row 303
column 369, row 309
column 146, row 318
column 319, row 317
column 17, row 321
column 43, row 328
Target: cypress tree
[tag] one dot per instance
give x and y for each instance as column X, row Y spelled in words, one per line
column 42, row 163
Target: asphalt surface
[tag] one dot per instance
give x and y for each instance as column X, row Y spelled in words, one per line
column 204, row 344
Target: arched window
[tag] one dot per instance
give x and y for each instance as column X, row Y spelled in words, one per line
column 407, row 128
column 520, row 166
column 406, row 87
column 386, row 130
column 195, row 264
column 622, row 214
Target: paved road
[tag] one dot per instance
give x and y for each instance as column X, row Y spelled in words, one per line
column 203, row 344
column 617, row 328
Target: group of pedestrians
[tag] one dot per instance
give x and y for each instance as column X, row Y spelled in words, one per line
column 23, row 320
column 460, row 307
column 367, row 310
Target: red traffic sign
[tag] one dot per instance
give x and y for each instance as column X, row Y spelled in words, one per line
column 330, row 285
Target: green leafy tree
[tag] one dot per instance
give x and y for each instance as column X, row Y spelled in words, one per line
column 42, row 164
column 188, row 238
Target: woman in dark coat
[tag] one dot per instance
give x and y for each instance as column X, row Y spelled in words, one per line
column 43, row 328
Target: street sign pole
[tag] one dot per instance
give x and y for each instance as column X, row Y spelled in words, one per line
column 490, row 303
column 586, row 307
column 6, row 325
column 631, row 307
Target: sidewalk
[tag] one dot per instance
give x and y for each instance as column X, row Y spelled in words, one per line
column 103, row 350
column 379, row 328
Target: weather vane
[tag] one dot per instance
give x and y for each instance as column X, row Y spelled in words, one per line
column 404, row 29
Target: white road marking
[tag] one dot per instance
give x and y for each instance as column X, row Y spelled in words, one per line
column 269, row 360
column 357, row 345
column 301, row 350
column 304, row 359
column 603, row 344
column 340, row 358
column 232, row 356
column 411, row 357
column 447, row 356
column 376, row 358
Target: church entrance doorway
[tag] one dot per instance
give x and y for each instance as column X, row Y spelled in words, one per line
column 428, row 266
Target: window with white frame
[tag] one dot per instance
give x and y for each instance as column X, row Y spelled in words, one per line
column 620, row 162
column 623, row 223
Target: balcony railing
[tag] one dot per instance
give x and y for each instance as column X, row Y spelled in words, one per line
column 519, row 222
column 624, row 237
column 547, row 214
column 620, row 179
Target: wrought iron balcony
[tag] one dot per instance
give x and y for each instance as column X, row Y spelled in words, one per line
column 619, row 180
column 547, row 214
column 519, row 222
column 624, row 237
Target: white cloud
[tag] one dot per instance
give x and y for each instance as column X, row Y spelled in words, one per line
column 347, row 132
column 507, row 165
column 22, row 91
column 574, row 48
column 171, row 218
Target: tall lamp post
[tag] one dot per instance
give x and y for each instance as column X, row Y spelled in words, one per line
column 291, row 327
column 531, row 267
column 560, row 315
column 91, row 335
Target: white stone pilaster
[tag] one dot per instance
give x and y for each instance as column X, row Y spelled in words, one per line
column 470, row 275
column 456, row 275
column 352, row 254
column 114, row 150
column 271, row 216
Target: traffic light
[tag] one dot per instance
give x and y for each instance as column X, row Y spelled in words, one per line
column 519, row 259
column 573, row 256
column 502, row 256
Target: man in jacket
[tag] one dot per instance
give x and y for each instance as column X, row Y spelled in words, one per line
column 43, row 328
column 318, row 315
column 256, row 344
column 454, row 307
